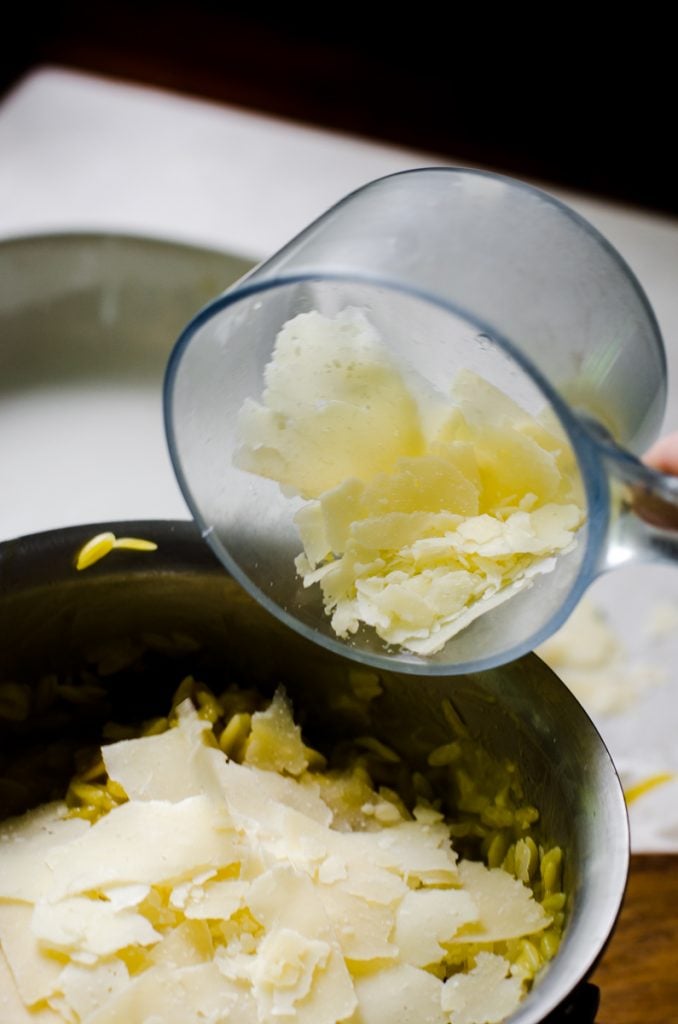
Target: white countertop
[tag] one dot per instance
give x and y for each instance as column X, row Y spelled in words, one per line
column 78, row 153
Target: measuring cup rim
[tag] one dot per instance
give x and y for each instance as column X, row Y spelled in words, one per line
column 518, row 185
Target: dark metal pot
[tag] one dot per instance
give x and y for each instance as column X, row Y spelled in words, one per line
column 180, row 612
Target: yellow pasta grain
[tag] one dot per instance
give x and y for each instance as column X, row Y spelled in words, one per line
column 235, row 732
column 497, row 850
column 101, row 545
column 550, row 870
column 155, row 726
column 316, row 760
column 116, row 791
column 453, row 718
column 634, row 792
column 446, row 754
column 526, row 859
column 209, row 708
column 135, row 544
column 375, row 746
column 554, row 902
column 529, row 958
column 524, row 817
column 387, row 813
column 422, row 787
column 497, row 817
column 95, row 549
column 549, row 943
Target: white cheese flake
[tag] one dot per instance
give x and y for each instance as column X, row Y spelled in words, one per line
column 591, row 659
column 90, row 926
column 216, row 900
column 144, row 843
column 400, row 993
column 13, row 1008
column 189, row 995
column 228, row 891
column 413, row 495
column 486, row 995
column 362, row 928
column 284, row 969
column 188, row 944
column 275, row 742
column 35, row 972
column 333, row 407
column 25, row 843
column 87, row 989
column 428, row 917
column 506, row 908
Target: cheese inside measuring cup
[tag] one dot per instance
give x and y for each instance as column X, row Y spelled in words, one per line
column 423, row 510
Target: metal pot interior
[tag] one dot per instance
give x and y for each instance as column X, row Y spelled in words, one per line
column 144, row 621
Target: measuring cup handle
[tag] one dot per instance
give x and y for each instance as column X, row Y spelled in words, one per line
column 643, row 525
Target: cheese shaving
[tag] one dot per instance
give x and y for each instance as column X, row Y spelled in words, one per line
column 215, row 890
column 420, row 518
column 486, row 995
column 592, row 660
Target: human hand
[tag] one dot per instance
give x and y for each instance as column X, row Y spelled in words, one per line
column 663, row 455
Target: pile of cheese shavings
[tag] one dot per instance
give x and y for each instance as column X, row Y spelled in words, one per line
column 591, row 659
column 425, row 512
column 222, row 891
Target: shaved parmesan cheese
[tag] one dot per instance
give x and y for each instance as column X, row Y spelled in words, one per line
column 378, row 886
column 91, row 926
column 39, row 831
column 593, row 662
column 275, row 740
column 287, row 903
column 402, row 993
column 428, row 917
column 333, row 407
column 486, row 995
column 153, row 767
column 250, row 895
column 426, row 512
column 417, row 851
column 189, row 995
column 12, row 1007
column 185, row 838
column 250, row 792
column 332, row 997
column 284, row 898
column 188, row 944
column 282, row 974
column 35, row 972
column 217, row 900
column 88, row 989
column 123, row 896
column 362, row 927
column 506, row 907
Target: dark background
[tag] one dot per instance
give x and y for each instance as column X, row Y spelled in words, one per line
column 576, row 98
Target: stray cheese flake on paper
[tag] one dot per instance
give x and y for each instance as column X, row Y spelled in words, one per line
column 423, row 511
column 223, row 891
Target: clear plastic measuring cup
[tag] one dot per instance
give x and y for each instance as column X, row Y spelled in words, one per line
column 456, row 269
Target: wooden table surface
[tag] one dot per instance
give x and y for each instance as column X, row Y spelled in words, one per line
column 638, row 975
